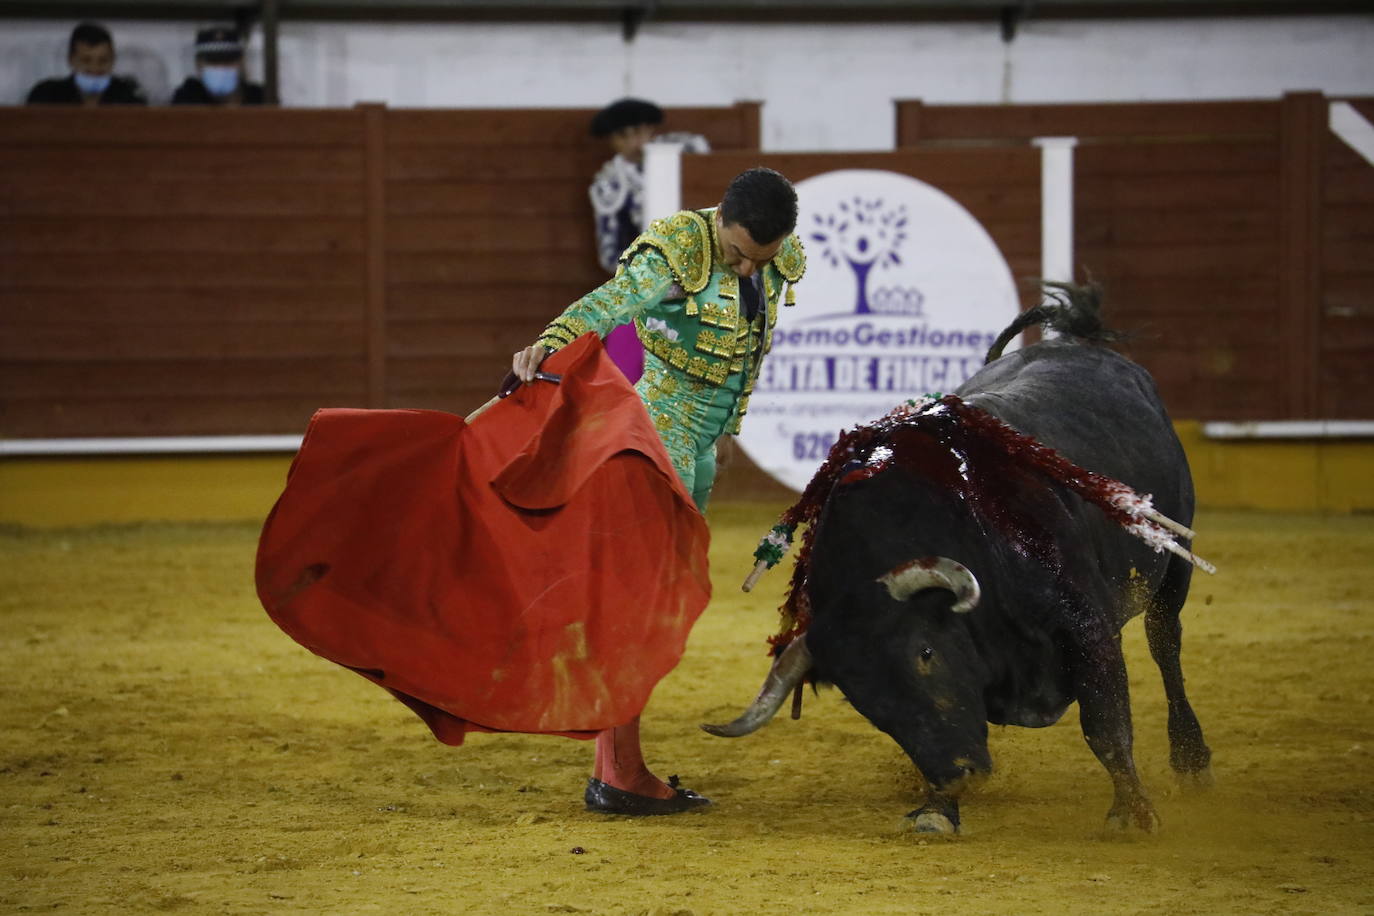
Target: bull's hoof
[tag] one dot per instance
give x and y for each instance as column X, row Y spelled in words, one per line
column 925, row 821
column 1139, row 816
column 1195, row 780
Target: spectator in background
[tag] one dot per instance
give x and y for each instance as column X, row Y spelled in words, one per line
column 617, row 194
column 219, row 78
column 91, row 55
column 617, row 191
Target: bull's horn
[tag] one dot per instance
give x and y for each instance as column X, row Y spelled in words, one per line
column 934, row 572
column 787, row 672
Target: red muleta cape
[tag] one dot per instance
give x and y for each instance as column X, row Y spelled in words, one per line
column 536, row 571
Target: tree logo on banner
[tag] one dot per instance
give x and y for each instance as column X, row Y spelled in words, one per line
column 903, row 295
column 863, row 233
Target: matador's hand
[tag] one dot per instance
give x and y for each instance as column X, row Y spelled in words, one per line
column 526, row 362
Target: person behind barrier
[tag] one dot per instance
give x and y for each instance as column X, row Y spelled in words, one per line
column 617, row 194
column 220, row 78
column 91, row 56
column 617, row 191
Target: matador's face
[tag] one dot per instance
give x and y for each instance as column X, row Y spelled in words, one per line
column 739, row 250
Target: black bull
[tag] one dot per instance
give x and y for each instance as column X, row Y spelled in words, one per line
column 1058, row 577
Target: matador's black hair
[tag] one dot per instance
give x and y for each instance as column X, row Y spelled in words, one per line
column 763, row 202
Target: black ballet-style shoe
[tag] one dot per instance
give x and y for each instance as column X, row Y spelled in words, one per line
column 607, row 799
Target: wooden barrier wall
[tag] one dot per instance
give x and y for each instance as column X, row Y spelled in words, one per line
column 180, row 271
column 1235, row 238
column 201, row 272
column 1346, row 277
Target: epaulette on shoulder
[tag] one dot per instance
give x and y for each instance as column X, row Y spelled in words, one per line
column 791, row 259
column 790, row 263
column 684, row 240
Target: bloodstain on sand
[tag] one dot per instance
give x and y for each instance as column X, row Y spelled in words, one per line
column 166, row 748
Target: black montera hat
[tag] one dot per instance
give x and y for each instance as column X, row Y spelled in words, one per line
column 625, row 113
column 219, row 42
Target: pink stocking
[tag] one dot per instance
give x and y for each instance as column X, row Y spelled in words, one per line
column 620, row 762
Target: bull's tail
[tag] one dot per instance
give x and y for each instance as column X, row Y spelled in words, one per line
column 1074, row 311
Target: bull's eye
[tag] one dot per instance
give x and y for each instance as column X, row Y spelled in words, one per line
column 923, row 658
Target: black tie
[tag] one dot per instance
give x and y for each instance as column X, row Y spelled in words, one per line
column 753, row 296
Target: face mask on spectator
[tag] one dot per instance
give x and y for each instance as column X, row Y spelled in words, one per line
column 220, row 80
column 91, row 83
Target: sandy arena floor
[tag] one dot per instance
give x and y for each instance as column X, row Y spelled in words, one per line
column 166, row 748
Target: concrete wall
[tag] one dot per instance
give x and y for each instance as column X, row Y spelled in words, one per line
column 826, row 87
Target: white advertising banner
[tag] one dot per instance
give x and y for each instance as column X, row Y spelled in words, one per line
column 903, row 294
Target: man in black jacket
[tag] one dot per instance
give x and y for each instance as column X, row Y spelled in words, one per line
column 219, row 78
column 90, row 52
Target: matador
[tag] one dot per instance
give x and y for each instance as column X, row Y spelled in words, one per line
column 702, row 289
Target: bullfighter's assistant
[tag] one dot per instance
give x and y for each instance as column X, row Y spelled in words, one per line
column 702, row 289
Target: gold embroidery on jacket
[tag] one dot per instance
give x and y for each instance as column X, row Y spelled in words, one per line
column 729, row 286
column 716, row 315
column 685, row 241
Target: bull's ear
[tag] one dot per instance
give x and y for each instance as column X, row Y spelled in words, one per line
column 933, row 572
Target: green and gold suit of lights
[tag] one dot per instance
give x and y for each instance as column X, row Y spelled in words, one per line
column 701, row 355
